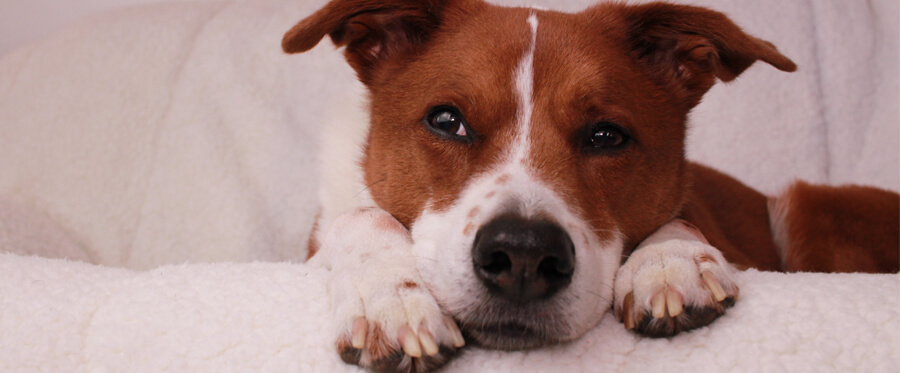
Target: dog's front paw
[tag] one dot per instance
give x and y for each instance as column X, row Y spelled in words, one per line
column 672, row 285
column 394, row 326
column 386, row 318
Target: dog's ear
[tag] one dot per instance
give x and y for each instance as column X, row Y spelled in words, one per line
column 373, row 31
column 686, row 48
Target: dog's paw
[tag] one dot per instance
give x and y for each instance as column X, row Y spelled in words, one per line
column 385, row 317
column 394, row 326
column 673, row 285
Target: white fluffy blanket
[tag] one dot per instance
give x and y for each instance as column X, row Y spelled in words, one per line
column 269, row 317
column 180, row 133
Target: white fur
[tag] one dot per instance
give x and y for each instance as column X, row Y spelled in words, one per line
column 444, row 254
column 778, row 211
column 341, row 186
column 369, row 265
column 523, row 79
column 669, row 258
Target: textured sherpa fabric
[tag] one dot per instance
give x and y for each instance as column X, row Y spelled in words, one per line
column 59, row 316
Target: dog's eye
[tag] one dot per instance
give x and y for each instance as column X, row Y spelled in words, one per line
column 607, row 136
column 448, row 122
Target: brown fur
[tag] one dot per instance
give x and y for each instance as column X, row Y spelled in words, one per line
column 838, row 229
column 596, row 80
column 733, row 217
column 825, row 229
column 643, row 67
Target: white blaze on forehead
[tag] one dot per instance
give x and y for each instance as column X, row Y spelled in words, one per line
column 523, row 80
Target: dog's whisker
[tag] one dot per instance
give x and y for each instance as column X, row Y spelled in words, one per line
column 368, row 186
column 424, row 258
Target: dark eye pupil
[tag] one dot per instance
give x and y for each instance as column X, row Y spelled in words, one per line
column 607, row 137
column 445, row 121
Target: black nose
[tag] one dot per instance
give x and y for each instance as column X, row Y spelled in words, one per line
column 523, row 260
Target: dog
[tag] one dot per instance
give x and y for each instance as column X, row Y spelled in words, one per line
column 523, row 169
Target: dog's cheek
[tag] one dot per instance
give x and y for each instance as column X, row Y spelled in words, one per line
column 408, row 171
column 610, row 197
column 391, row 173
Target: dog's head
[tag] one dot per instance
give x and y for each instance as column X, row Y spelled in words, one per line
column 529, row 150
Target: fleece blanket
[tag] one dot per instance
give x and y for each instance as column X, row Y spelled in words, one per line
column 180, row 134
column 255, row 318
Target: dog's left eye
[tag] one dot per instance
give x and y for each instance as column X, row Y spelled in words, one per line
column 606, row 136
column 448, row 122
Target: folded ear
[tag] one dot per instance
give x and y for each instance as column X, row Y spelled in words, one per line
column 373, row 31
column 687, row 48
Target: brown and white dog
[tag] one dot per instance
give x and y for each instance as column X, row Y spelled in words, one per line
column 515, row 157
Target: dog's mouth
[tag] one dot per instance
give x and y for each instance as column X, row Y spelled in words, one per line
column 515, row 333
column 507, row 336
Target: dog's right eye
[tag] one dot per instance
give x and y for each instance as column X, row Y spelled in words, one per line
column 447, row 122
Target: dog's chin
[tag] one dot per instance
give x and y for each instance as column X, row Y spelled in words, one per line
column 514, row 327
column 510, row 336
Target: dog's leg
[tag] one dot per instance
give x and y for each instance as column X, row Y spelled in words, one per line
column 820, row 228
column 674, row 281
column 385, row 317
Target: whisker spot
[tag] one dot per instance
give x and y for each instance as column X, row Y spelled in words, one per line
column 468, row 229
column 474, row 212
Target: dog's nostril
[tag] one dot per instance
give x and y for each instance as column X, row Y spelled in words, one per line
column 498, row 263
column 553, row 269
